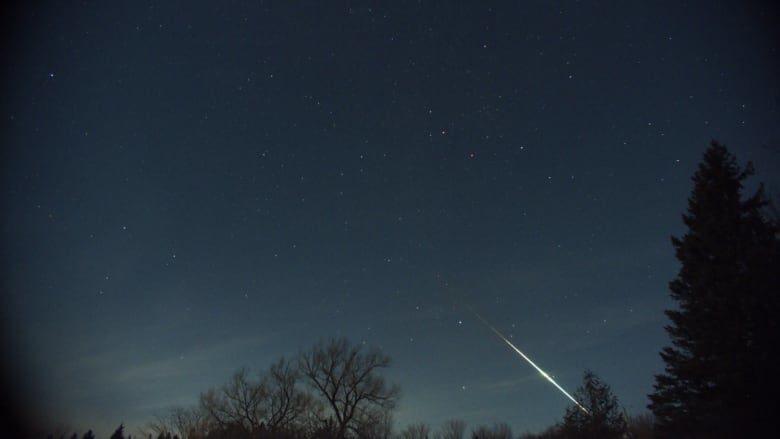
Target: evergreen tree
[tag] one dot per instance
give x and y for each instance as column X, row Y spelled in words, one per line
column 119, row 433
column 603, row 419
column 88, row 435
column 719, row 372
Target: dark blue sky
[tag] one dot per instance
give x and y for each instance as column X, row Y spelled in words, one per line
column 192, row 187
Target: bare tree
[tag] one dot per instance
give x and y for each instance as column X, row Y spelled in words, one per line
column 161, row 425
column 498, row 431
column 191, row 423
column 551, row 432
column 286, row 404
column 453, row 429
column 374, row 423
column 186, row 423
column 415, row 431
column 240, row 402
column 641, row 426
column 214, row 405
column 349, row 381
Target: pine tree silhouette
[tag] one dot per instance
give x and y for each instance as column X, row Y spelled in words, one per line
column 603, row 419
column 719, row 379
column 119, row 433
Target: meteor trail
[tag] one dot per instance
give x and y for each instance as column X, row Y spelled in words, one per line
column 544, row 374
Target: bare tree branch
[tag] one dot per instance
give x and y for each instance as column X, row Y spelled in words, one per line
column 348, row 380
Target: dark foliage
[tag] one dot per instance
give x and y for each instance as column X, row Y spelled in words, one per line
column 498, row 431
column 119, row 433
column 453, row 429
column 719, row 379
column 603, row 419
column 552, row 432
column 641, row 426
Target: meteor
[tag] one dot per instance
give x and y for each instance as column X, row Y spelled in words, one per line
column 525, row 357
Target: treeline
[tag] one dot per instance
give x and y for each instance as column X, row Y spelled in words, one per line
column 600, row 417
column 333, row 390
column 336, row 390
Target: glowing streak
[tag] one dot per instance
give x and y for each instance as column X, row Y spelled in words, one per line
column 544, row 374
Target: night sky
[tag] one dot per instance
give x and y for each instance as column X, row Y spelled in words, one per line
column 192, row 187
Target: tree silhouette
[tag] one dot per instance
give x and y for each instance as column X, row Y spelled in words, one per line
column 189, row 423
column 603, row 419
column 453, row 429
column 349, row 382
column 498, row 431
column 551, row 432
column 119, row 433
column 351, row 399
column 88, row 435
column 286, row 403
column 717, row 374
column 238, row 405
column 641, row 426
column 415, row 431
column 374, row 423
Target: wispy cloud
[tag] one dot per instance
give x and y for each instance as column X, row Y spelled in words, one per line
column 509, row 385
column 139, row 384
column 156, row 369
